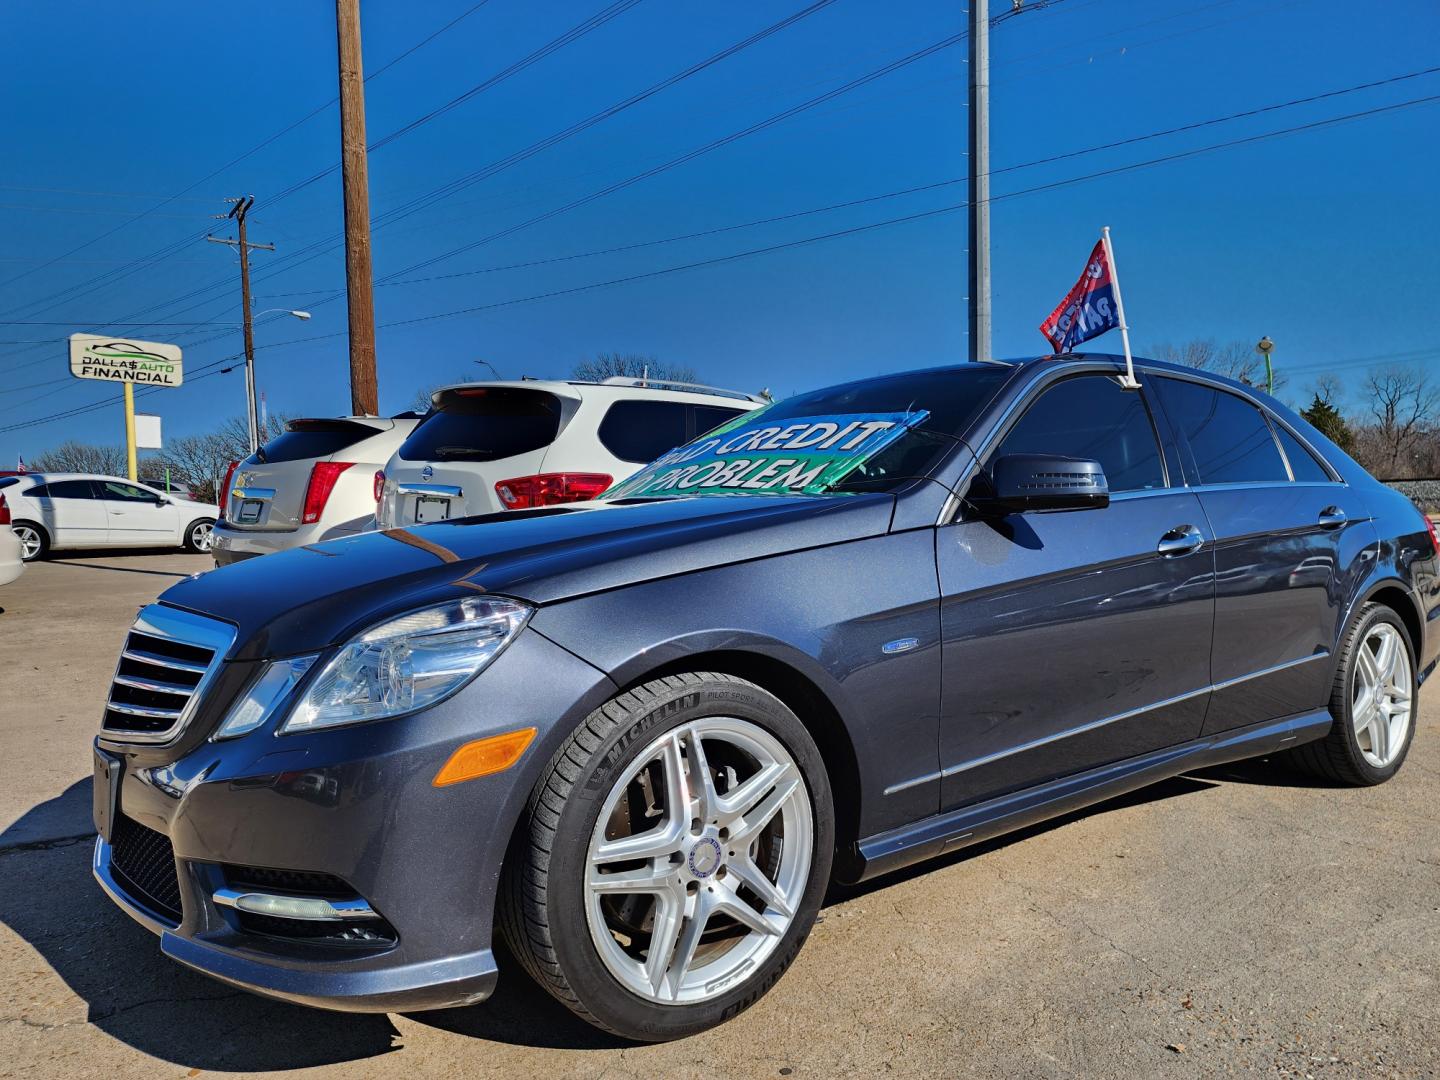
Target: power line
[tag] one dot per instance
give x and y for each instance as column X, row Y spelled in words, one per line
column 835, row 234
column 570, row 36
column 248, row 153
column 312, row 251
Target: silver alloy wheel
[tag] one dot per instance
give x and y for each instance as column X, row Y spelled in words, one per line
column 686, row 905
column 1380, row 701
column 202, row 536
column 29, row 541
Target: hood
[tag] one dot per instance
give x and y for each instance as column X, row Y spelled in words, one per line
column 303, row 599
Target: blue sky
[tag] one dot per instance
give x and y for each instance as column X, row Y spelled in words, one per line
column 1324, row 240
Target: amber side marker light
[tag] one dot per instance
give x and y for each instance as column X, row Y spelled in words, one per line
column 484, row 757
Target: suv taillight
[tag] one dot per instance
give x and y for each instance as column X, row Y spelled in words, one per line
column 1429, row 525
column 323, row 475
column 224, row 499
column 379, row 484
column 550, row 489
column 4, row 510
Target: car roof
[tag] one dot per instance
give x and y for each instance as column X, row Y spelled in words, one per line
column 377, row 423
column 48, row 477
column 577, row 389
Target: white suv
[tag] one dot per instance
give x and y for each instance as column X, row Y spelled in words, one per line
column 314, row 482
column 493, row 446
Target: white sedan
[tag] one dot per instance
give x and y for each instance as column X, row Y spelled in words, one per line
column 81, row 510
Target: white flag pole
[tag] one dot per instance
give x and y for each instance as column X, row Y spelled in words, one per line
column 1128, row 381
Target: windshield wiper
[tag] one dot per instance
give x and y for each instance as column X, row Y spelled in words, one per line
column 455, row 451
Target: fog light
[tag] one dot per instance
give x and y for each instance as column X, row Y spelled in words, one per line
column 307, row 908
column 484, row 757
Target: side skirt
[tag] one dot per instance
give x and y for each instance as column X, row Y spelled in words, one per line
column 966, row 825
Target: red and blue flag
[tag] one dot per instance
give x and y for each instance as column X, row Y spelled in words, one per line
column 1088, row 310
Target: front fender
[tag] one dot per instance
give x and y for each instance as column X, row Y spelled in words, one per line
column 859, row 621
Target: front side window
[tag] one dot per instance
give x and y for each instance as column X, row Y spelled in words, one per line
column 116, row 491
column 1230, row 438
column 1093, row 417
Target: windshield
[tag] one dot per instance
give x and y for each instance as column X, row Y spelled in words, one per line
column 865, row 436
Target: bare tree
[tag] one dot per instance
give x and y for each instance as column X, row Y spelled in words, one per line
column 1233, row 359
column 1329, row 389
column 1402, row 401
column 199, row 461
column 72, row 456
column 631, row 366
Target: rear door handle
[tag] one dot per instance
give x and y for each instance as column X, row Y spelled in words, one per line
column 1181, row 540
column 1331, row 517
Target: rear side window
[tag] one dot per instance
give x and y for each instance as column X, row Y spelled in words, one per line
column 1229, row 438
column 66, row 489
column 7, row 481
column 640, row 431
column 1302, row 462
column 485, row 423
column 313, row 439
column 1092, row 417
column 709, row 417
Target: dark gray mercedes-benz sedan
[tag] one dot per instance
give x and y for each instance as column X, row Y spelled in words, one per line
column 637, row 738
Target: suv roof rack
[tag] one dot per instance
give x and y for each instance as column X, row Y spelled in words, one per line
column 671, row 384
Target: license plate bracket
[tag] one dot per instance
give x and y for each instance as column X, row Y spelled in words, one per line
column 105, row 797
column 429, row 508
column 249, row 512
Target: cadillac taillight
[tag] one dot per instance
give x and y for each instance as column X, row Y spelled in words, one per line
column 379, row 484
column 323, row 475
column 224, row 499
column 550, row 489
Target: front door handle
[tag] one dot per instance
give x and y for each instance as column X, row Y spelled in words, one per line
column 1332, row 517
column 1181, row 540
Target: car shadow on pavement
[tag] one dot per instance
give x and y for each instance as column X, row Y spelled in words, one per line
column 128, row 989
column 1165, row 789
column 1265, row 772
column 73, row 558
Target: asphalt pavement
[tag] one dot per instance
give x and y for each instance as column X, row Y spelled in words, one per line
column 1241, row 921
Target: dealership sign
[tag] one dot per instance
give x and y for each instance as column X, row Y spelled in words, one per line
column 122, row 360
column 801, row 454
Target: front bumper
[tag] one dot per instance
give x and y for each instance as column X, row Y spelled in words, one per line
column 356, row 804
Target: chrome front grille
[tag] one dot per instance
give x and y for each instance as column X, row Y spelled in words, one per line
column 168, row 659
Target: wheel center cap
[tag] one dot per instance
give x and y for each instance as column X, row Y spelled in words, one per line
column 704, row 857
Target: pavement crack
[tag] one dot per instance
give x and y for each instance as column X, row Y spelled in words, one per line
column 48, row 844
column 98, row 1018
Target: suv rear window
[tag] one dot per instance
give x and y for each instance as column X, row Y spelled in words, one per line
column 640, row 431
column 313, row 439
column 485, row 423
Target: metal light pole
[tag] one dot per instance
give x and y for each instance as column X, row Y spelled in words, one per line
column 978, row 256
column 1264, row 347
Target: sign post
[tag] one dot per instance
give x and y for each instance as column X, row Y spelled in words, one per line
column 150, row 363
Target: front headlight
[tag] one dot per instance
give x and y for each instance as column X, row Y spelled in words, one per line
column 408, row 663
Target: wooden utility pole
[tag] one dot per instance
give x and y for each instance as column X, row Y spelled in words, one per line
column 364, row 393
column 238, row 211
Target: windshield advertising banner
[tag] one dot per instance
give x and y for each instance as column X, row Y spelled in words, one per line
column 801, row 454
